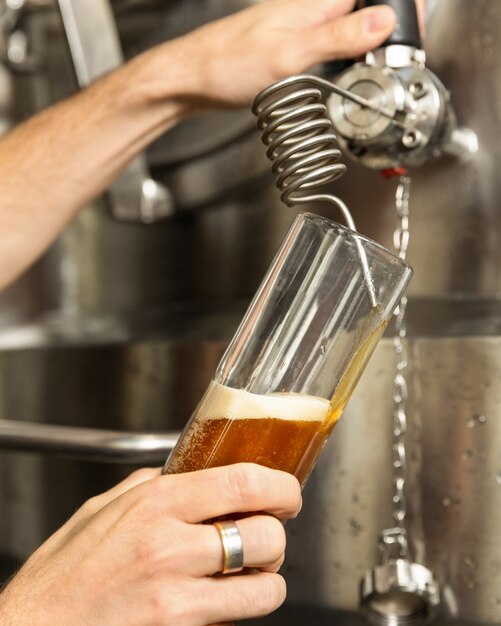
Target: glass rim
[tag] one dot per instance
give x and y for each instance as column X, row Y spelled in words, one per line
column 344, row 230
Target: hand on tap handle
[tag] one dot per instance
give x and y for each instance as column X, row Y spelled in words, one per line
column 280, row 38
column 416, row 121
column 68, row 154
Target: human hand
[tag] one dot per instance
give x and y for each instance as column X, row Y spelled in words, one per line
column 228, row 61
column 139, row 554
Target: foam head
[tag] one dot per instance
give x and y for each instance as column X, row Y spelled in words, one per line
column 221, row 401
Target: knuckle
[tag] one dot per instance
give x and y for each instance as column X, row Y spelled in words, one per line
column 266, row 594
column 281, row 586
column 286, row 61
column 280, row 592
column 143, row 474
column 152, row 487
column 156, row 555
column 296, row 497
column 269, row 533
column 254, row 486
column 147, row 556
column 91, row 506
column 290, row 495
column 332, row 40
column 146, row 503
column 273, row 593
column 275, row 567
column 277, row 538
column 246, row 483
column 167, row 607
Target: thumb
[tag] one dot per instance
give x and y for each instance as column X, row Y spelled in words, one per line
column 352, row 35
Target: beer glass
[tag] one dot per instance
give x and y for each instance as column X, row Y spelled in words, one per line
column 288, row 373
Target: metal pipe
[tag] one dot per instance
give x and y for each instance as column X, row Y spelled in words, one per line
column 88, row 444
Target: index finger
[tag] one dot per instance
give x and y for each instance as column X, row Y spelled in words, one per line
column 242, row 488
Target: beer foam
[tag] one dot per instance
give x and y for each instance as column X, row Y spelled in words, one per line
column 221, row 401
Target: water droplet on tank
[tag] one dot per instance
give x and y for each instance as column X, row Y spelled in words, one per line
column 322, row 349
column 355, row 527
column 448, row 501
column 471, row 563
column 476, row 420
column 468, row 454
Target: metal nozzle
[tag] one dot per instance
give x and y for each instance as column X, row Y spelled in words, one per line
column 462, row 143
column 399, row 593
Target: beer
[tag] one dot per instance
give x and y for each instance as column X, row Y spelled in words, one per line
column 281, row 430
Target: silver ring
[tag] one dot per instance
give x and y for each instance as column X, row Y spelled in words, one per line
column 233, row 547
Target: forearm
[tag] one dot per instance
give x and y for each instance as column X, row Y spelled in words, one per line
column 52, row 165
column 58, row 160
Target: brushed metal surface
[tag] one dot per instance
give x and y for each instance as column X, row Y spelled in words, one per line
column 454, row 489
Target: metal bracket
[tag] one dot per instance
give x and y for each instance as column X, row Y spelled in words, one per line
column 95, row 49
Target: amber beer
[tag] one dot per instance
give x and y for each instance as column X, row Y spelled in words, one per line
column 284, row 431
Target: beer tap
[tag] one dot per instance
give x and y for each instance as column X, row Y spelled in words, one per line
column 388, row 112
column 410, row 121
column 415, row 120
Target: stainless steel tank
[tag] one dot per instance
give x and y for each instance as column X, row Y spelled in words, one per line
column 119, row 328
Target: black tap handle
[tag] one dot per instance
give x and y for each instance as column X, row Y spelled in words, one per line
column 407, row 29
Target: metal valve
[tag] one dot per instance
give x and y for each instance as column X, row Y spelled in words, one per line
column 398, row 592
column 411, row 118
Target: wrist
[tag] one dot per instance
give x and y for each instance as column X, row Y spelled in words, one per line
column 168, row 77
column 138, row 102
